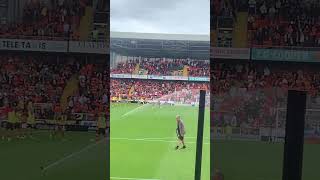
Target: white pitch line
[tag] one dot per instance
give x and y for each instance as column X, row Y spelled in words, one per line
column 163, row 138
column 172, row 138
column 131, row 178
column 132, row 111
column 151, row 140
column 71, row 155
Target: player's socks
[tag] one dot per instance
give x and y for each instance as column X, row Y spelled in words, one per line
column 97, row 137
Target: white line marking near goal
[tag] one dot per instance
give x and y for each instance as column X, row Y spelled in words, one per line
column 151, row 140
column 71, row 155
column 132, row 111
column 131, row 178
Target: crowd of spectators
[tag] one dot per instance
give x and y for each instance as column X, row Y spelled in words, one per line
column 256, row 89
column 284, row 23
column 126, row 67
column 157, row 90
column 164, row 67
column 252, row 76
column 42, row 80
column 226, row 9
column 222, row 9
column 36, row 78
column 92, row 96
column 47, row 19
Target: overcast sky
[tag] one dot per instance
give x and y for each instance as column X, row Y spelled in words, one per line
column 161, row 16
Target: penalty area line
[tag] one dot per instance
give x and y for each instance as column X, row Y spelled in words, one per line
column 124, row 178
column 71, row 155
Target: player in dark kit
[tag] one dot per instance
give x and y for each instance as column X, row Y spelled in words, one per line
column 218, row 175
column 101, row 126
column 60, row 125
column 180, row 132
column 11, row 122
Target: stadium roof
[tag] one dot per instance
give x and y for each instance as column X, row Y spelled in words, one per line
column 157, row 36
column 160, row 45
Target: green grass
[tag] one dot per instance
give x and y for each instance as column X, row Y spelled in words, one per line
column 22, row 159
column 143, row 140
column 241, row 160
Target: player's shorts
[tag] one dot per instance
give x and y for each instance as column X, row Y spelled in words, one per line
column 60, row 127
column 24, row 125
column 10, row 126
column 102, row 131
column 180, row 137
column 31, row 126
column 17, row 125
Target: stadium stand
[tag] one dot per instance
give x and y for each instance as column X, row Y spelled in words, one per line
column 257, row 23
column 261, row 51
column 252, row 76
column 57, row 20
column 153, row 90
column 153, row 68
column 252, row 91
column 163, row 66
column 46, row 81
column 284, row 23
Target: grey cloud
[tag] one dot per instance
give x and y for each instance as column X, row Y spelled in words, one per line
column 165, row 16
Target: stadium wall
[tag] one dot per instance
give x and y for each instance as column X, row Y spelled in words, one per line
column 261, row 54
column 54, row 46
column 156, row 77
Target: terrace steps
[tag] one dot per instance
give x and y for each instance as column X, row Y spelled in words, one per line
column 240, row 32
column 86, row 24
column 71, row 88
column 213, row 38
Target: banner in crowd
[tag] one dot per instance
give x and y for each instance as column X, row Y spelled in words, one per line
column 136, row 76
column 88, row 47
column 88, row 123
column 54, row 46
column 285, row 55
column 128, row 76
column 181, row 78
column 33, row 45
column 205, row 79
column 156, row 77
column 230, row 53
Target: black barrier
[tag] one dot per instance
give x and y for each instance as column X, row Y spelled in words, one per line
column 202, row 104
column 293, row 147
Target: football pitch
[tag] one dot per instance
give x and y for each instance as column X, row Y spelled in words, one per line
column 143, row 138
column 76, row 157
column 243, row 160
